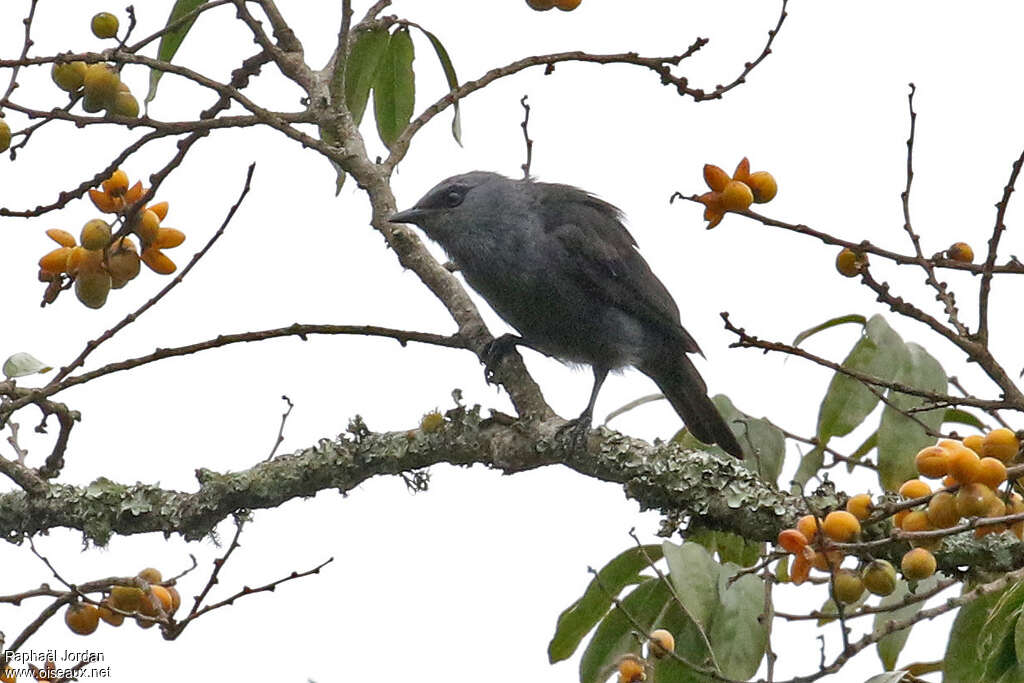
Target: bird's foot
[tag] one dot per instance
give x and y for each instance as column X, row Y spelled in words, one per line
column 575, row 432
column 495, row 352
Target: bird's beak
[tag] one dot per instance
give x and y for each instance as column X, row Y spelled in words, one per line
column 412, row 215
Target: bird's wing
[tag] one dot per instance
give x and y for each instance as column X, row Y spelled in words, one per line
column 602, row 257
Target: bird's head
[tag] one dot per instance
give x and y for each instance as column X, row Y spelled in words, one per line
column 455, row 204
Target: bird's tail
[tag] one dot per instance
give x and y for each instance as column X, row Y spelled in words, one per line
column 684, row 388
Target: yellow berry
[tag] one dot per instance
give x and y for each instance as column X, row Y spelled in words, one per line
column 92, row 287
column 69, row 76
column 974, row 442
column 109, row 615
column 914, row 488
column 101, row 87
column 147, row 226
column 1001, row 444
column 737, row 196
column 164, row 596
column 942, row 510
column 840, row 526
column 860, row 506
column 95, row 234
column 932, row 462
column 662, row 642
column 916, row 520
column 82, row 618
column 991, row 472
column 104, row 25
column 126, row 598
column 996, row 508
column 879, row 577
column 125, row 104
column 847, row 586
column 567, row 5
column 849, row 263
column 974, row 499
column 175, row 599
column 827, row 561
column 762, row 185
column 809, row 526
column 5, row 136
column 964, row 465
column 541, row 5
column 151, row 575
column 961, row 251
column 918, row 564
column 631, row 669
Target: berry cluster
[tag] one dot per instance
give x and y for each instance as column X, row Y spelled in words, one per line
column 99, row 83
column 972, row 470
column 850, row 263
column 633, row 668
column 156, row 601
column 102, row 261
column 736, row 193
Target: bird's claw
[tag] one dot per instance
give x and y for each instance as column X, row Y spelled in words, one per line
column 575, row 432
column 495, row 352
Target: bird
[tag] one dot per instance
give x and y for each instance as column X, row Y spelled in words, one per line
column 557, row 264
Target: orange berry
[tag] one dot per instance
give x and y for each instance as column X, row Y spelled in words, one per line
column 860, row 506
column 763, row 185
column 157, row 261
column 715, row 177
column 897, row 519
column 800, row 570
column 1001, row 444
column 82, row 618
column 948, row 481
column 973, row 500
column 840, row 526
column 792, row 541
column 110, row 616
column 879, row 577
column 932, row 462
column 917, row 520
column 541, row 5
column 849, row 263
column 167, row 238
column 737, row 196
column 631, row 669
column 960, row 251
column 61, row 237
column 997, row 508
column 175, row 598
column 974, row 442
column 164, row 596
column 662, row 642
column 567, row 5
column 147, row 227
column 918, row 564
column 942, row 510
column 847, row 586
column 914, row 488
column 808, row 525
column 991, row 472
column 964, row 465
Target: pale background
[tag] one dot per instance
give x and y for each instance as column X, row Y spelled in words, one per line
column 464, row 583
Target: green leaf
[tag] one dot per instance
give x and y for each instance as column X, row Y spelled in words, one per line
column 996, row 641
column 961, row 659
column 879, row 353
column 957, row 416
column 1018, row 639
column 453, row 80
column 810, row 463
column 694, row 575
column 394, row 87
column 690, row 646
column 737, row 636
column 890, row 646
column 584, row 614
column 852, row 318
column 899, row 436
column 614, row 636
column 888, row 677
column 171, row 41
column 729, row 546
column 360, row 69
column 766, row 440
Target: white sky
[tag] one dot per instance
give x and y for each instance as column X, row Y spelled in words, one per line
column 465, row 582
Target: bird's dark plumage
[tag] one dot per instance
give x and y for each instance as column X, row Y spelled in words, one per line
column 558, row 265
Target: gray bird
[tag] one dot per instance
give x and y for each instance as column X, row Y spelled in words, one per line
column 557, row 264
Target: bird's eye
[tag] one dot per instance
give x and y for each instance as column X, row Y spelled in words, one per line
column 453, row 198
